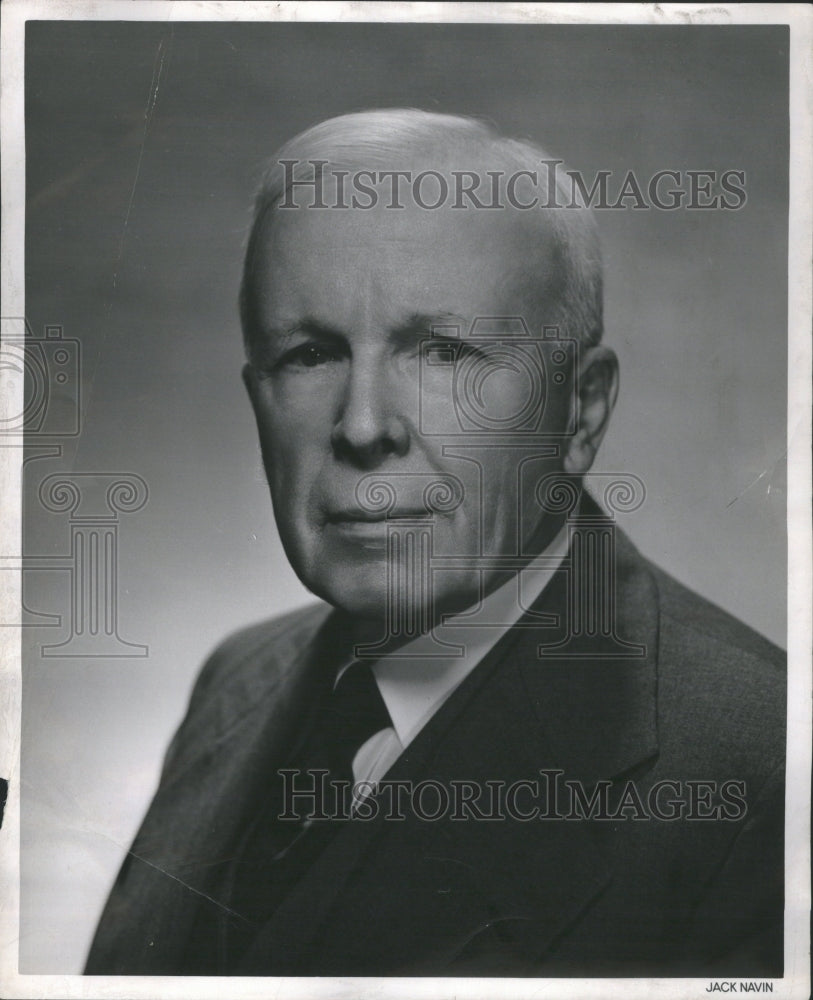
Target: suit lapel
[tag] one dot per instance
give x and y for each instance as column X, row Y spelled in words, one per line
column 599, row 709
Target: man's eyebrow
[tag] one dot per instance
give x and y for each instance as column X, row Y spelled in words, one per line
column 414, row 325
column 307, row 325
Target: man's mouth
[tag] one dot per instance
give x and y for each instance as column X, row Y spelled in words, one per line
column 356, row 516
column 369, row 529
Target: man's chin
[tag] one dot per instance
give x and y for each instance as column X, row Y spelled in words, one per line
column 366, row 598
column 361, row 593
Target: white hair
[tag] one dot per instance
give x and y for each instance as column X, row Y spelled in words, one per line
column 385, row 139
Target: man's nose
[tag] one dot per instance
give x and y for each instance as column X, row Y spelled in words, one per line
column 369, row 427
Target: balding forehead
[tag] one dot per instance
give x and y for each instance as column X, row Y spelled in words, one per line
column 520, row 236
column 468, row 262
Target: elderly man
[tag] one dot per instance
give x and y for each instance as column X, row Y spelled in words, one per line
column 503, row 744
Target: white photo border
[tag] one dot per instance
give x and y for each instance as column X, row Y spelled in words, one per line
column 799, row 17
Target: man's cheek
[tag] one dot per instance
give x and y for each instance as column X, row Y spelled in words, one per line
column 288, row 472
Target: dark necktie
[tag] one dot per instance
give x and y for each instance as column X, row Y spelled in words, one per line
column 354, row 714
column 275, row 854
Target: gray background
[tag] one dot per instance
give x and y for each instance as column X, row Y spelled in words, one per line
column 144, row 145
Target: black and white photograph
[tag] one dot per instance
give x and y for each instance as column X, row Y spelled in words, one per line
column 406, row 547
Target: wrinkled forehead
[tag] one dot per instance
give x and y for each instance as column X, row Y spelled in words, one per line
column 471, row 261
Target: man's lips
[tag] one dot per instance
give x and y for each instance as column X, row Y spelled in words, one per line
column 361, row 529
column 369, row 529
column 356, row 516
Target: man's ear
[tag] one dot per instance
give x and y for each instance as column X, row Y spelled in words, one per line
column 597, row 392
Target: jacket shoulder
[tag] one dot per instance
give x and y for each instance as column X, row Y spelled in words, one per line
column 246, row 669
column 273, row 642
column 708, row 625
column 722, row 687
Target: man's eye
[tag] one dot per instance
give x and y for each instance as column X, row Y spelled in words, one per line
column 311, row 356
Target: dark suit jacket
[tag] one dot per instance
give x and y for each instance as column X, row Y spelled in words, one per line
column 584, row 897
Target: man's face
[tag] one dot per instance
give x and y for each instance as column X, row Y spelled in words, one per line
column 345, row 395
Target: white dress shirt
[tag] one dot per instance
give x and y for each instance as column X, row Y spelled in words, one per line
column 414, row 685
